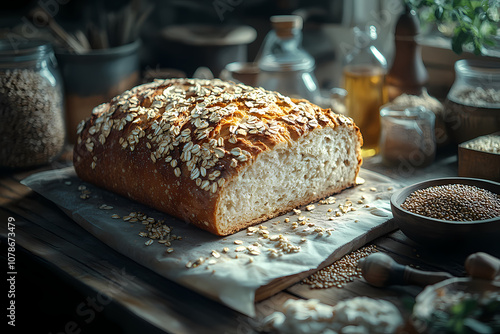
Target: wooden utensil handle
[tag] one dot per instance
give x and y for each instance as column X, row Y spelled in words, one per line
column 482, row 265
column 381, row 270
column 423, row 278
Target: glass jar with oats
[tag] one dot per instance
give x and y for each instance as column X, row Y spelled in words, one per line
column 32, row 131
column 472, row 107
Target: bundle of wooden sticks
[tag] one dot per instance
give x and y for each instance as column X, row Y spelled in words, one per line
column 103, row 29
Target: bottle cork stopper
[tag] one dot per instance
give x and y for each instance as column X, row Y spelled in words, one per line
column 284, row 24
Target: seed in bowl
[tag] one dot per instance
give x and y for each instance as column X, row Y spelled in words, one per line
column 455, row 202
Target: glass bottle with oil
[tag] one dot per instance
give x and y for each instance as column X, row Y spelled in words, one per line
column 363, row 78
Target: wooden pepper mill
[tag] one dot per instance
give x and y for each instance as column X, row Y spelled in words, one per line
column 407, row 73
column 381, row 270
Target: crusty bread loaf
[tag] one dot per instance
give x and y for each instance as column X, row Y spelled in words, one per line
column 219, row 155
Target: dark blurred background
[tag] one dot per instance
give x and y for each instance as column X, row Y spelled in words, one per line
column 223, row 16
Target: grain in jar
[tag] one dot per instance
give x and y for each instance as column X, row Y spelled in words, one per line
column 31, row 116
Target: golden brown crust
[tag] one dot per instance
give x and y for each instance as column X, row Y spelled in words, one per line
column 173, row 144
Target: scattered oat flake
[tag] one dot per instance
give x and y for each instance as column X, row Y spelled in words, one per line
column 149, row 242
column 238, row 242
column 115, row 216
column 240, row 249
column 310, row 207
column 215, row 254
column 198, row 262
column 360, row 180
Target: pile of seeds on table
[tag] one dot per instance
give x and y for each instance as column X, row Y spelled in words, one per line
column 455, row 202
column 340, row 272
column 31, row 119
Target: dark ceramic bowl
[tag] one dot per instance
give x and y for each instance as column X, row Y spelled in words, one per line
column 438, row 232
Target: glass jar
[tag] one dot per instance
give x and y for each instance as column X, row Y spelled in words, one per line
column 472, row 107
column 284, row 66
column 407, row 136
column 363, row 78
column 32, row 130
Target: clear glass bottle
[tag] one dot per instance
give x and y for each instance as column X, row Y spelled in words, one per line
column 472, row 106
column 32, row 128
column 284, row 66
column 363, row 77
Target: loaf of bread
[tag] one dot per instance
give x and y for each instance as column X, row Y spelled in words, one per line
column 220, row 155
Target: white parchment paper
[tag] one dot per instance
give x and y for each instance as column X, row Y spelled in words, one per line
column 234, row 277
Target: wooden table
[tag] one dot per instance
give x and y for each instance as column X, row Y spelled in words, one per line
column 65, row 275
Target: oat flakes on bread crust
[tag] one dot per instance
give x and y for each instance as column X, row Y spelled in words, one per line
column 219, row 155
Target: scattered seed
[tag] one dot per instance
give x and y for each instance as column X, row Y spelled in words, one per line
column 340, row 272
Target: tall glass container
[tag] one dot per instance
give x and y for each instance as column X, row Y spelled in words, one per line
column 32, row 128
column 284, row 66
column 363, row 77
